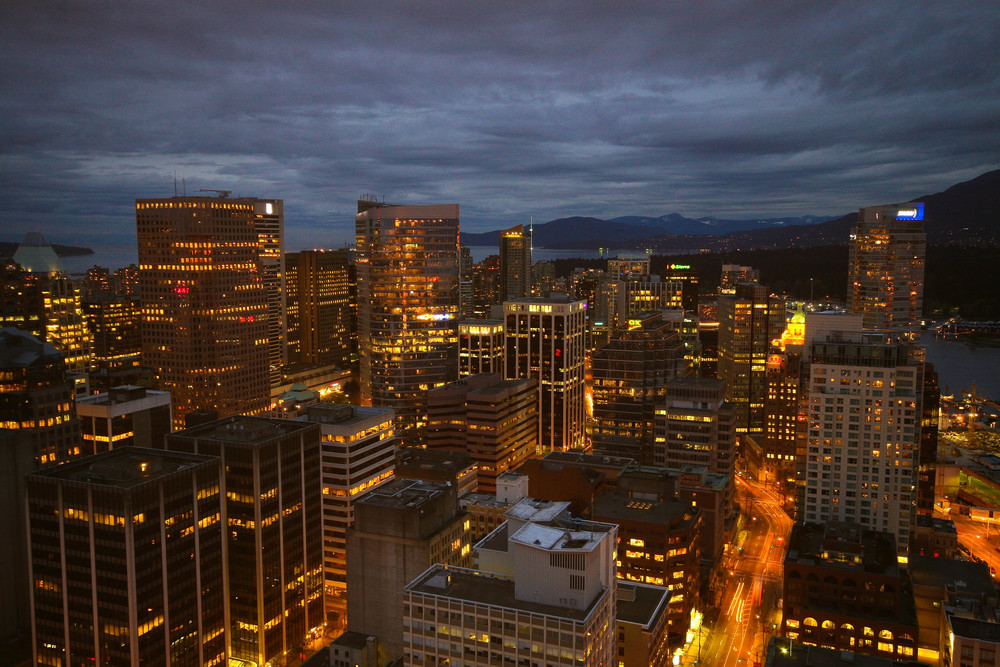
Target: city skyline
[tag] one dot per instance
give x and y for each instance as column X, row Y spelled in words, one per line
column 604, row 111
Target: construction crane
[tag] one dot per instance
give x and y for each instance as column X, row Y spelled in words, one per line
column 222, row 193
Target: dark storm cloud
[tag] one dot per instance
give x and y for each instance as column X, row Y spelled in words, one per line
column 511, row 109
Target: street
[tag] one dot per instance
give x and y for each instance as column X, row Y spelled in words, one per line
column 980, row 537
column 749, row 611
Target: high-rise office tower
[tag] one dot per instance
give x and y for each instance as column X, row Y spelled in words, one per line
column 515, row 263
column 481, row 347
column 494, row 420
column 408, row 307
column 627, row 266
column 40, row 298
column 318, row 298
column 486, row 285
column 38, row 427
column 126, row 560
column 696, row 425
column 36, row 397
column 687, row 276
column 269, row 222
column 547, row 341
column 358, row 455
column 545, row 587
column 274, row 539
column 399, row 530
column 639, row 294
column 863, row 436
column 116, row 325
column 205, row 303
column 750, row 318
column 885, row 275
column 465, row 289
column 543, row 278
column 630, row 378
column 735, row 273
column 784, row 401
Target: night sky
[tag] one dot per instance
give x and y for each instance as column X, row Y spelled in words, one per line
column 512, row 109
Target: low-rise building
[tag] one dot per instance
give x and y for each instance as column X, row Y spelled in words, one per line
column 123, row 416
column 843, row 589
column 549, row 596
column 642, row 625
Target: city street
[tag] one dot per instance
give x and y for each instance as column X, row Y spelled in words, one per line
column 982, row 538
column 749, row 609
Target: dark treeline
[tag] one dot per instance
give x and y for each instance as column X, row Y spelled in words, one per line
column 959, row 281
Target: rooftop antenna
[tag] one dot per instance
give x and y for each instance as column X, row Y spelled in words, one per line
column 175, row 182
column 184, row 184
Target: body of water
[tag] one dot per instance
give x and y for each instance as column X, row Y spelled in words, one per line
column 112, row 257
column 961, row 362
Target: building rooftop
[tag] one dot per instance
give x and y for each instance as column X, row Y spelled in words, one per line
column 440, row 460
column 800, row 655
column 843, row 546
column 404, row 493
column 351, row 639
column 641, row 604
column 941, row 573
column 552, row 538
column 125, row 467
column 478, row 499
column 610, row 505
column 20, row 349
column 974, row 628
column 243, row 429
column 938, row 525
column 596, row 460
column 124, row 394
column 344, row 416
column 539, row 511
column 488, row 589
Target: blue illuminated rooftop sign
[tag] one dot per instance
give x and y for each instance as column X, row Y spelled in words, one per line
column 916, row 212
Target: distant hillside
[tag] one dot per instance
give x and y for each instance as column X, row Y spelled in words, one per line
column 626, row 231
column 967, row 213
column 7, row 249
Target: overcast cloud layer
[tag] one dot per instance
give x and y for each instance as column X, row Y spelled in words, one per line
column 542, row 109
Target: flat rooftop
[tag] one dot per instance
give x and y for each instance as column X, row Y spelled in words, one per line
column 404, row 493
column 341, row 416
column 843, row 546
column 801, row 655
column 532, row 509
column 488, row 589
column 974, row 628
column 641, row 604
column 579, row 458
column 614, row 507
column 243, row 429
column 126, row 467
column 965, row 576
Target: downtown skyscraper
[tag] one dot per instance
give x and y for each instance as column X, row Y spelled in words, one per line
column 205, row 309
column 515, row 263
column 408, row 307
column 885, row 274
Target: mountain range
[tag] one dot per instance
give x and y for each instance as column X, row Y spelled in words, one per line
column 967, row 213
